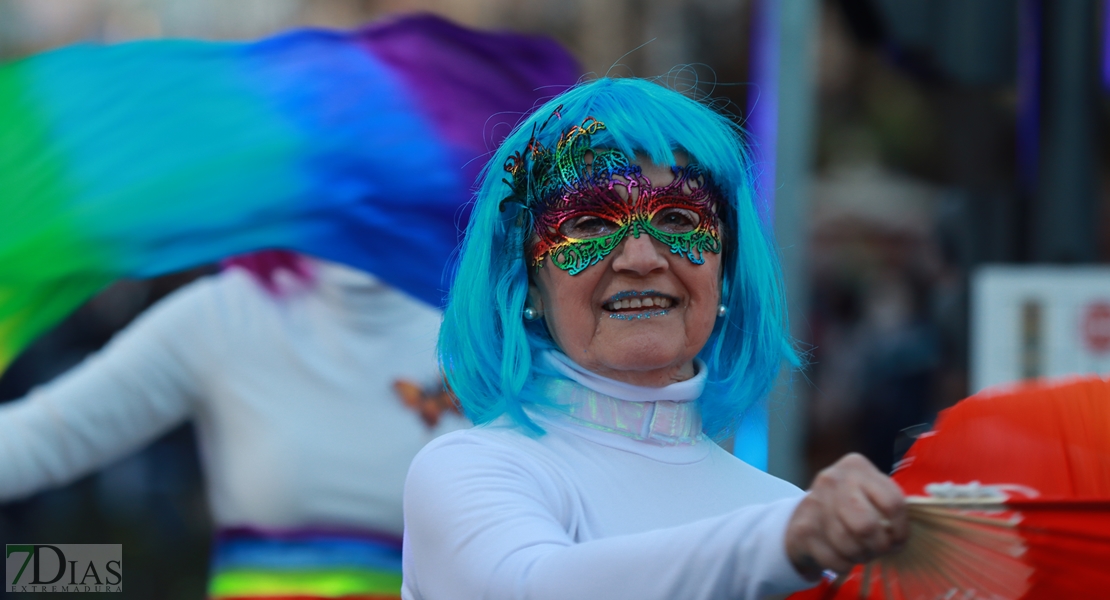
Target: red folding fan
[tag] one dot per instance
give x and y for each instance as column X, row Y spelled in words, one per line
column 1009, row 499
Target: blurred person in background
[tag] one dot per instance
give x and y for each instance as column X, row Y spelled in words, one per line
column 286, row 366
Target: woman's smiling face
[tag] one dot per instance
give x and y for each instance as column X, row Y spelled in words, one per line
column 642, row 313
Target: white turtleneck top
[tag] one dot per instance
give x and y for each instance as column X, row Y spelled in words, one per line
column 291, row 396
column 622, row 498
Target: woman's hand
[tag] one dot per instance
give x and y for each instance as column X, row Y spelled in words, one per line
column 852, row 514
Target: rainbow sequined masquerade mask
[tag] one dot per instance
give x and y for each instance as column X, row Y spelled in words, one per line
column 584, row 201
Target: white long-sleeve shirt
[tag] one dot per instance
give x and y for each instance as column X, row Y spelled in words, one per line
column 494, row 513
column 291, row 396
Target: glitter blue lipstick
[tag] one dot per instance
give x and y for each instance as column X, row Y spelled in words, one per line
column 639, row 315
column 631, row 294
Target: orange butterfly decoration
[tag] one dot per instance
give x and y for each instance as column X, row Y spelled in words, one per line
column 430, row 404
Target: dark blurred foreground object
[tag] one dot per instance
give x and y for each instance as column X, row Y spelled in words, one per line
column 139, row 159
column 1009, row 499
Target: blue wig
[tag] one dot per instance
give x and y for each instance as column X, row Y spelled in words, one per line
column 489, row 353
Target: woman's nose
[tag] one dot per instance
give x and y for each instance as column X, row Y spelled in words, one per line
column 640, row 255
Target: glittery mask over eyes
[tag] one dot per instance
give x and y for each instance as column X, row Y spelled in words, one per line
column 583, row 201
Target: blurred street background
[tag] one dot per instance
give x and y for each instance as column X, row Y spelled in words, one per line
column 902, row 147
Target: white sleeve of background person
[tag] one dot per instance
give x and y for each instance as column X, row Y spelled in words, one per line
column 137, row 387
column 481, row 523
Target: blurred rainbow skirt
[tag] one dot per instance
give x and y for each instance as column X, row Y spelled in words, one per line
column 305, row 565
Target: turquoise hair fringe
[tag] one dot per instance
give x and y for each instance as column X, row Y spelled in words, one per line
column 489, row 353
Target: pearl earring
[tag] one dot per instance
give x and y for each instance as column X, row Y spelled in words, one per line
column 722, row 310
column 531, row 314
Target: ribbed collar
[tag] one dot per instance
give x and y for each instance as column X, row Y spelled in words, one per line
column 664, row 416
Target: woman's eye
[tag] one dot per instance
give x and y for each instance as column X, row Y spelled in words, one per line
column 586, row 226
column 676, row 220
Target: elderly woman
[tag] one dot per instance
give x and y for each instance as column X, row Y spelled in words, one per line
column 617, row 305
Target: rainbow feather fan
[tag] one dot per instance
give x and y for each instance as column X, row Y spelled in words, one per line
column 145, row 158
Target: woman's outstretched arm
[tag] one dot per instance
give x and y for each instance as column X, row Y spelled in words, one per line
column 143, row 383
